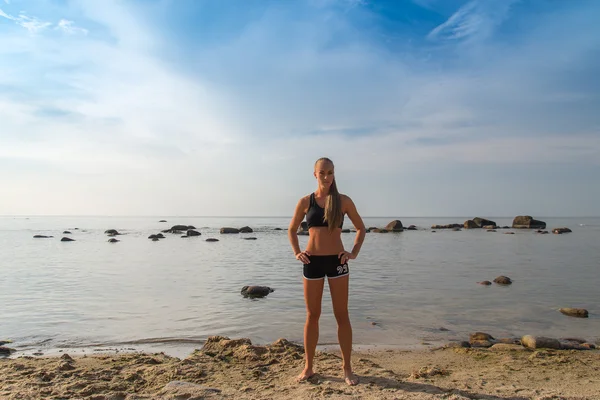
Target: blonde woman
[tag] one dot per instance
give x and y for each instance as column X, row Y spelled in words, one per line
column 324, row 256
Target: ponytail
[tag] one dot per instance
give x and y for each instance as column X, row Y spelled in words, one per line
column 333, row 207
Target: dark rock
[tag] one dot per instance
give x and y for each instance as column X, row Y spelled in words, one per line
column 456, row 229
column 66, row 239
column 503, row 280
column 462, row 344
column 509, row 233
column 481, row 343
column 256, row 291
column 394, row 226
column 377, row 230
column 411, row 228
column 480, row 336
column 277, row 229
column 157, row 236
column 481, row 222
column 485, row 283
column 192, row 232
column 66, row 233
column 113, row 240
column 42, row 237
column 506, row 227
column 246, row 229
column 559, row 231
column 576, row 340
column 163, row 220
column 345, row 230
column 527, row 222
column 470, row 224
column 540, row 342
column 249, row 238
column 449, row 226
column 230, row 230
column 212, row 240
column 112, row 232
column 155, row 239
column 5, row 351
column 181, row 227
column 489, row 227
column 491, row 230
column 575, row 312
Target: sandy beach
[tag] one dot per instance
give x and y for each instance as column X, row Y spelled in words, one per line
column 236, row 369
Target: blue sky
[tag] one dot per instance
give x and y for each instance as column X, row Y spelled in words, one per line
column 195, row 107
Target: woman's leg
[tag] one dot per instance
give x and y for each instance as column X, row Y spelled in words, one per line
column 339, row 297
column 313, row 293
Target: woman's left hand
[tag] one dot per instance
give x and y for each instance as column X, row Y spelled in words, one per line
column 344, row 256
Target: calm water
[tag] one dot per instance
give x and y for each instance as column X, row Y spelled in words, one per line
column 170, row 295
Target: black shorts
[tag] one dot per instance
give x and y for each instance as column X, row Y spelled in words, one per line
column 320, row 266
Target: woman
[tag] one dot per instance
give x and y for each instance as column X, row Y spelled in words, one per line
column 325, row 256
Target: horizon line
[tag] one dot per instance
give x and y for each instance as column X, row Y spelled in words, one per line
column 273, row 216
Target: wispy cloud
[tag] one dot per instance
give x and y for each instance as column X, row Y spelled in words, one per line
column 476, row 19
column 32, row 24
column 68, row 27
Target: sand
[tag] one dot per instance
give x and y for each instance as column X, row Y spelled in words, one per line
column 236, row 369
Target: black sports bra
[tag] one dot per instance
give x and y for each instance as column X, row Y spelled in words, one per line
column 316, row 214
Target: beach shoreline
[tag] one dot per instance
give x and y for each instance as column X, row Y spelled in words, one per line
column 226, row 368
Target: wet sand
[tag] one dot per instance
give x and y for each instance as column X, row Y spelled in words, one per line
column 236, row 369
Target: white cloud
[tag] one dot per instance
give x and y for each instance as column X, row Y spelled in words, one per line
column 32, row 24
column 68, row 27
column 476, row 19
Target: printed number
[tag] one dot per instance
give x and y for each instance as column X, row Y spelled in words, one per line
column 342, row 269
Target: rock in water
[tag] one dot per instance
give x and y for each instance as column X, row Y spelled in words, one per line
column 256, row 291
column 575, row 312
column 225, row 230
column 66, row 239
column 527, row 222
column 503, row 280
column 394, row 226
column 558, row 231
column 540, row 342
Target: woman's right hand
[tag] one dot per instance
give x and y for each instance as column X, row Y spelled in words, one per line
column 303, row 256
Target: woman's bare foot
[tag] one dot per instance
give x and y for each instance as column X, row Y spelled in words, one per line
column 350, row 378
column 305, row 375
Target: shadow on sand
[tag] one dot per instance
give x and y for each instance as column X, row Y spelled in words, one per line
column 409, row 387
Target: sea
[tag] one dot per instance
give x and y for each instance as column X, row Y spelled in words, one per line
column 412, row 289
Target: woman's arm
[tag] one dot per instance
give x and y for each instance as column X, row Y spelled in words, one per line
column 299, row 214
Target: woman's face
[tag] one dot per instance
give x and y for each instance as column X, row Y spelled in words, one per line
column 324, row 173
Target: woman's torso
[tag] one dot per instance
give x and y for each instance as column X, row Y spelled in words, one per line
column 322, row 241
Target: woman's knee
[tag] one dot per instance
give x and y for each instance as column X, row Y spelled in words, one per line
column 342, row 317
column 313, row 316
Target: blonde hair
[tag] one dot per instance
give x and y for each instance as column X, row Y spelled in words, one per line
column 333, row 203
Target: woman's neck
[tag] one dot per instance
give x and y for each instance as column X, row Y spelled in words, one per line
column 321, row 192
